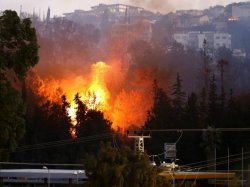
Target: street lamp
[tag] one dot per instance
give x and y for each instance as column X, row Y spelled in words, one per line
column 44, row 167
column 173, row 166
column 153, row 161
column 76, row 173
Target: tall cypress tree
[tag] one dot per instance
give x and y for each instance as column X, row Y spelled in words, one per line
column 178, row 99
column 160, row 115
column 81, row 111
column 192, row 111
column 178, row 94
column 89, row 122
column 221, row 66
column 213, row 108
column 206, row 69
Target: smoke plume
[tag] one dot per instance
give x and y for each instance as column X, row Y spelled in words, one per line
column 165, row 6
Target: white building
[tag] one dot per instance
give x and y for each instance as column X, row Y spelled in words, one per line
column 189, row 39
column 209, row 37
column 196, row 39
column 189, row 12
column 114, row 13
column 222, row 40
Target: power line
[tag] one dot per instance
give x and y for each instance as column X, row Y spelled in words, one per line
column 222, row 162
column 59, row 143
column 96, row 137
column 224, row 157
column 202, row 166
column 197, row 130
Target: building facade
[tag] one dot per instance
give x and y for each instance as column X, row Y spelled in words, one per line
column 195, row 39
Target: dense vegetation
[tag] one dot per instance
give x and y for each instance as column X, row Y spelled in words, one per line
column 18, row 52
column 121, row 167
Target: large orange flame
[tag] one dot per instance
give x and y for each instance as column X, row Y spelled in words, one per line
column 124, row 101
column 95, row 95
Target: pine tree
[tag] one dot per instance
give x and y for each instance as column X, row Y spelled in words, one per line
column 206, row 69
column 89, row 122
column 178, row 96
column 210, row 140
column 192, row 121
column 221, row 65
column 203, row 108
column 231, row 110
column 81, row 111
column 213, row 108
column 192, row 111
column 160, row 114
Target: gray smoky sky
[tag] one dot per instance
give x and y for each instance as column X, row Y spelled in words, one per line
column 58, row 7
column 165, row 6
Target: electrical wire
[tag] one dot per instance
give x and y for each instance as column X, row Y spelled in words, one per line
column 223, row 162
column 217, row 163
column 175, row 143
column 59, row 143
column 179, row 137
column 234, row 155
column 195, row 178
column 199, row 165
column 198, row 130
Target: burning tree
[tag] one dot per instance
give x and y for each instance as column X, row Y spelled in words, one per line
column 89, row 121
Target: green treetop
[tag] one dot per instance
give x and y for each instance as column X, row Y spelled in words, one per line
column 18, row 44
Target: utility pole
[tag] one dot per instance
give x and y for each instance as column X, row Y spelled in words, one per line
column 139, row 139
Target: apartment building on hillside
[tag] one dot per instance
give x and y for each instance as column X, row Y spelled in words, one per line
column 195, row 39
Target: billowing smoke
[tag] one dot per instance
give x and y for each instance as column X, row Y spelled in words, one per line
column 69, row 65
column 165, row 6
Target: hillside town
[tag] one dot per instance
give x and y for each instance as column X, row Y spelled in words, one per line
column 217, row 25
